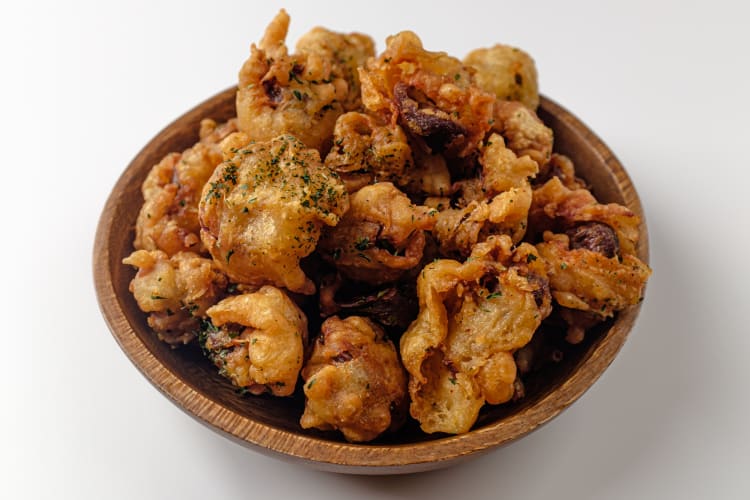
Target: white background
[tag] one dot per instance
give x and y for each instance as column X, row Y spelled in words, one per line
column 86, row 84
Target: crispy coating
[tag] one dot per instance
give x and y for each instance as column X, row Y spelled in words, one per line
column 473, row 316
column 430, row 94
column 168, row 219
column 365, row 152
column 562, row 167
column 346, row 52
column 299, row 94
column 557, row 208
column 354, row 381
column 257, row 340
column 263, row 208
column 587, row 280
column 175, row 291
column 496, row 204
column 380, row 237
column 507, row 72
column 524, row 132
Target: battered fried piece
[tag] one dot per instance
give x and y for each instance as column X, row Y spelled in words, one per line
column 562, row 167
column 257, row 340
column 507, row 72
column 176, row 291
column 354, row 381
column 556, row 208
column 263, row 208
column 345, row 52
column 298, row 94
column 168, row 219
column 524, row 132
column 587, row 280
column 430, row 94
column 380, row 237
column 473, row 316
column 497, row 204
column 365, row 152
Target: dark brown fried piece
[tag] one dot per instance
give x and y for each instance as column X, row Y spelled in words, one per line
column 594, row 236
column 354, row 381
column 393, row 306
column 430, row 94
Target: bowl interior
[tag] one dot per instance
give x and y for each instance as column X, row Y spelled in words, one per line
column 190, row 380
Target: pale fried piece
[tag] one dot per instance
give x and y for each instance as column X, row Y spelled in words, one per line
column 354, row 381
column 555, row 207
column 472, row 317
column 296, row 94
column 380, row 237
column 168, row 219
column 507, row 72
column 431, row 94
column 263, row 209
column 498, row 204
column 257, row 340
column 346, row 52
column 524, row 132
column 176, row 291
column 587, row 280
column 365, row 152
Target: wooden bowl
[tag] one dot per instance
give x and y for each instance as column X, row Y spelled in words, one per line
column 271, row 424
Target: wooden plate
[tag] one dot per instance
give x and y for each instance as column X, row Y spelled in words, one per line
column 271, row 424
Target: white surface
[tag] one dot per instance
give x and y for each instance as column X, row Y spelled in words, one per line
column 663, row 83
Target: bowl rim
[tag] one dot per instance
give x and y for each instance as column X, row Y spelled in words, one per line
column 351, row 457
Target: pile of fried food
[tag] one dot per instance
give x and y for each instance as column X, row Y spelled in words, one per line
column 408, row 197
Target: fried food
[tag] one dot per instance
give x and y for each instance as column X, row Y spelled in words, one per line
column 354, row 381
column 346, row 52
column 440, row 215
column 562, row 167
column 300, row 94
column 524, row 132
column 587, row 279
column 507, row 72
column 263, row 208
column 430, row 94
column 176, row 291
column 380, row 237
column 557, row 208
column 498, row 203
column 473, row 316
column 365, row 152
column 257, row 340
column 168, row 219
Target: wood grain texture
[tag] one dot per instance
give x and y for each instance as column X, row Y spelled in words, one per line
column 270, row 425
